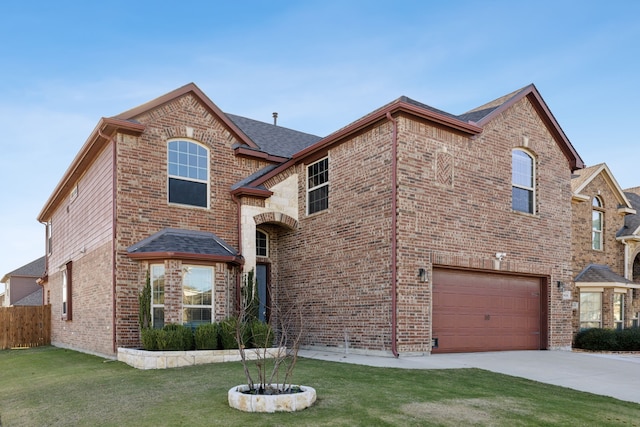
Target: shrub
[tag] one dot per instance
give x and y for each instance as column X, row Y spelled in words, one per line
column 629, row 339
column 597, row 339
column 175, row 337
column 261, row 334
column 149, row 338
column 206, row 336
column 228, row 329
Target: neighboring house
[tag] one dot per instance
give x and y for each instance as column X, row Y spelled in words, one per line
column 21, row 287
column 411, row 230
column 604, row 248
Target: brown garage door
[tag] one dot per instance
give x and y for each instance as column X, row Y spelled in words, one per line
column 476, row 311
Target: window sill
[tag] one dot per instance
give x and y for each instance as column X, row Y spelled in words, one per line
column 527, row 214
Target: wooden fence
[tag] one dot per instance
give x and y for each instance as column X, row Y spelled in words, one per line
column 23, row 326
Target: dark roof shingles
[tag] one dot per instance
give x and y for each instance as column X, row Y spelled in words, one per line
column 272, row 139
column 183, row 241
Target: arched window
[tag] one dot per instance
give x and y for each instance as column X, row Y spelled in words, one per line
column 523, row 182
column 262, row 244
column 596, row 224
column 188, row 173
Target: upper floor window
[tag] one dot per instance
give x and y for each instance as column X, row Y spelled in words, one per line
column 188, row 164
column 596, row 224
column 318, row 186
column 262, row 244
column 523, row 182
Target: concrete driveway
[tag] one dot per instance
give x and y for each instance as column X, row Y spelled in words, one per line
column 617, row 376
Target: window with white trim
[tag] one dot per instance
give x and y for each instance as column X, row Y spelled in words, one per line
column 523, row 181
column 197, row 294
column 262, row 244
column 156, row 276
column 596, row 224
column 590, row 310
column 318, row 186
column 618, row 310
column 188, row 173
column 67, row 292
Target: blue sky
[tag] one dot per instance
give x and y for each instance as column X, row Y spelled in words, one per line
column 319, row 64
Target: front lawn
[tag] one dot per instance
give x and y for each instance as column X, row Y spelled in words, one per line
column 56, row 387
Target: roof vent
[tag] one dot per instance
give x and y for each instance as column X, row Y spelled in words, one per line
column 275, row 119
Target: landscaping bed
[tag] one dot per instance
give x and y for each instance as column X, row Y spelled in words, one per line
column 143, row 359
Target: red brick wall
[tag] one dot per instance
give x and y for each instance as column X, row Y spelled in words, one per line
column 338, row 261
column 142, row 206
column 612, row 253
column 86, row 224
column 82, row 234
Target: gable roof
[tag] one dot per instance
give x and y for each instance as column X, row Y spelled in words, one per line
column 469, row 123
column 487, row 112
column 33, row 269
column 581, row 178
column 184, row 244
column 97, row 141
column 631, row 228
column 194, row 90
column 258, row 138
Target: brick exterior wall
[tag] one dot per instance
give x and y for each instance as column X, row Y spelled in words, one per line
column 455, row 214
column 82, row 234
column 141, row 209
column 612, row 253
column 454, row 209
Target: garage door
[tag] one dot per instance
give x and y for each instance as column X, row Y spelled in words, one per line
column 475, row 311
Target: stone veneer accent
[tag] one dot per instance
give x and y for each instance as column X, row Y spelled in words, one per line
column 143, row 359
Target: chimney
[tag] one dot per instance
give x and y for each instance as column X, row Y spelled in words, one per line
column 275, row 119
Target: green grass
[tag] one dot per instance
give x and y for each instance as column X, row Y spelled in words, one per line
column 56, row 387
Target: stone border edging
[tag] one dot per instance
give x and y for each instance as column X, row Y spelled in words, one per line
column 270, row 403
column 143, row 359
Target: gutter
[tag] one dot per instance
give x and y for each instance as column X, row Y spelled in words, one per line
column 394, row 234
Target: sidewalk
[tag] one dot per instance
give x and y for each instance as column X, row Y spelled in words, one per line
column 611, row 375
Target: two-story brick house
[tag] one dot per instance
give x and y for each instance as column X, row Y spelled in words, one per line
column 148, row 194
column 604, row 248
column 411, row 230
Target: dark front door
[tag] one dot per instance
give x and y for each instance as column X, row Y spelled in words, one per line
column 262, row 280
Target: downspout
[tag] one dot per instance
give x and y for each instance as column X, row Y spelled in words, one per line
column 239, row 220
column 114, row 219
column 394, row 233
column 626, row 259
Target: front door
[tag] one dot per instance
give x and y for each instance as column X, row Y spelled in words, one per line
column 262, row 280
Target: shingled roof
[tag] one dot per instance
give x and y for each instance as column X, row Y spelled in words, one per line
column 187, row 244
column 631, row 222
column 272, row 139
column 598, row 273
column 33, row 269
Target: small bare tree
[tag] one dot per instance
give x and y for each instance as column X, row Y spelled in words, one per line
column 274, row 365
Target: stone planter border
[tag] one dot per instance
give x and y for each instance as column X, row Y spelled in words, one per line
column 143, row 359
column 271, row 403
